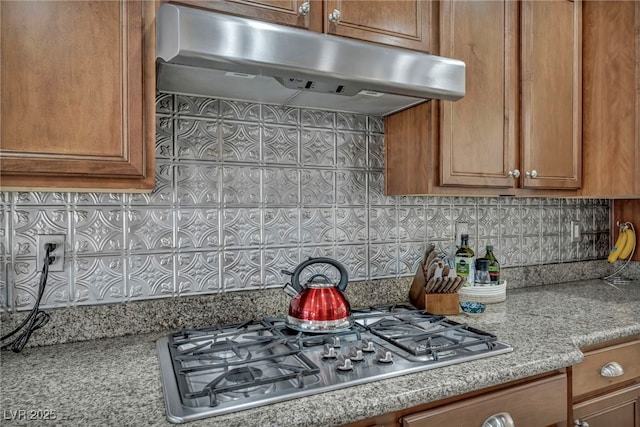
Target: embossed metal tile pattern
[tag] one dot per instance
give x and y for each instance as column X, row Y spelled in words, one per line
column 246, row 190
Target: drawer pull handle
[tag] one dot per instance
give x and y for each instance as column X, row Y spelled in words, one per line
column 334, row 16
column 612, row 369
column 503, row 419
column 304, row 9
column 578, row 423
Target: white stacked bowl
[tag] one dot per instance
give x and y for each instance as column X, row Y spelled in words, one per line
column 486, row 294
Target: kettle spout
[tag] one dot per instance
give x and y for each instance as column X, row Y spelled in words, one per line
column 290, row 290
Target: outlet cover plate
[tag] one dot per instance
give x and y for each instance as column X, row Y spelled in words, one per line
column 575, row 231
column 58, row 253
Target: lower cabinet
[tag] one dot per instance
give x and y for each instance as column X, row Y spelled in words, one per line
column 602, row 391
column 619, row 408
column 538, row 402
column 606, row 386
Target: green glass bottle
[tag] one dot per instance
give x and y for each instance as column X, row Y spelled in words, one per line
column 465, row 261
column 494, row 266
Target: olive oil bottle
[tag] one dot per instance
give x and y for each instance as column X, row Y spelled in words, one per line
column 465, row 261
column 494, row 266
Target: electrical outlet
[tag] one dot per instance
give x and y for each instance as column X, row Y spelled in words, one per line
column 58, row 252
column 575, row 231
column 461, row 228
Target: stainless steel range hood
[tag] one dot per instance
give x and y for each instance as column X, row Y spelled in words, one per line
column 210, row 54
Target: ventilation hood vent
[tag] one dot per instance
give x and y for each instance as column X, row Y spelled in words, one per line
column 210, row 54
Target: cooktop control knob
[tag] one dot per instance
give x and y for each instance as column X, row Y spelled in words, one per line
column 344, row 364
column 356, row 355
column 335, row 341
column 385, row 357
column 329, row 352
column 367, row 346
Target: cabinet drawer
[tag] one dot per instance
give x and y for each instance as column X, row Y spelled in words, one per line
column 539, row 403
column 587, row 376
column 619, row 408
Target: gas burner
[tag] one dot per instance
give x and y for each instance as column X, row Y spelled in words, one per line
column 433, row 344
column 213, row 352
column 385, row 309
column 235, row 395
column 238, row 383
column 305, row 339
column 243, row 375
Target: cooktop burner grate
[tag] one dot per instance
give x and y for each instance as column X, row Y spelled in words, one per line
column 429, row 336
column 226, row 368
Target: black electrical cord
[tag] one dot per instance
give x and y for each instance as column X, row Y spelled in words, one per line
column 36, row 318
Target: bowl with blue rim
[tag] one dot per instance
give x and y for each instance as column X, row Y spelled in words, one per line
column 472, row 308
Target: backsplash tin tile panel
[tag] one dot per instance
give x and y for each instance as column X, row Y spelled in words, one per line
column 246, row 190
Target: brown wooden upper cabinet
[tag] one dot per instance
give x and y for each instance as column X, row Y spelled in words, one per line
column 401, row 23
column 78, row 87
column 611, row 101
column 518, row 128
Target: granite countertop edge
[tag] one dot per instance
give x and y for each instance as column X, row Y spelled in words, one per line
column 566, row 316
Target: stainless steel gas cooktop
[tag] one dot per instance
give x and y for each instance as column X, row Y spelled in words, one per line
column 227, row 368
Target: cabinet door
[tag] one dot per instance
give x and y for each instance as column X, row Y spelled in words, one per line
column 619, row 409
column 611, row 106
column 551, row 94
column 77, row 86
column 307, row 14
column 478, row 132
column 401, row 23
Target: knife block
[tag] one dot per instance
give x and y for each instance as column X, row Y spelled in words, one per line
column 434, row 303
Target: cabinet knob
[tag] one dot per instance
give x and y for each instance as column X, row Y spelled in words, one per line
column 514, row 174
column 612, row 369
column 334, row 16
column 304, row 8
column 532, row 174
column 502, row 419
column 578, row 423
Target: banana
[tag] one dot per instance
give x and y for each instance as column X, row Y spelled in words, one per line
column 629, row 244
column 620, row 243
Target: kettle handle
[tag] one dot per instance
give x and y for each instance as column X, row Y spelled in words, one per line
column 344, row 277
column 324, row 276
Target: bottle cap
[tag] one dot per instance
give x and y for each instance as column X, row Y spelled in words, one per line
column 490, row 248
column 482, row 264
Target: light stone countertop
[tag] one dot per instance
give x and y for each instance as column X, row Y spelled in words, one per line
column 116, row 381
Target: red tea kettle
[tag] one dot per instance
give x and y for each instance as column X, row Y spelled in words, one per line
column 319, row 305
